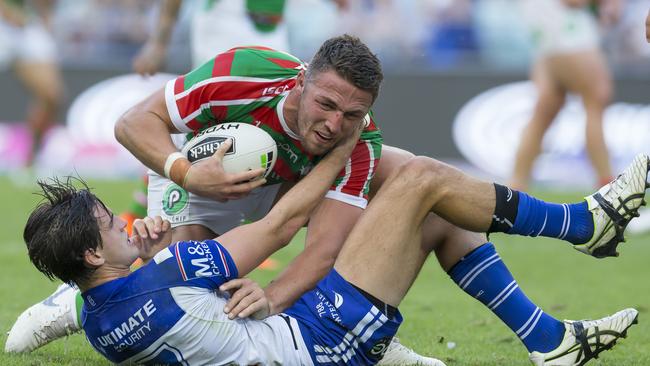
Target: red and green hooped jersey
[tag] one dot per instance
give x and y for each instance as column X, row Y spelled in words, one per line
column 250, row 84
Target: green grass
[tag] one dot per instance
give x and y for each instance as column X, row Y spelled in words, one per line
column 565, row 283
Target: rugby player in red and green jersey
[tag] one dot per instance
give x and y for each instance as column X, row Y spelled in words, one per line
column 326, row 102
column 252, row 84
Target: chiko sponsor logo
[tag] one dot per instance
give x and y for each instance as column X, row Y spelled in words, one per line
column 131, row 330
column 208, row 147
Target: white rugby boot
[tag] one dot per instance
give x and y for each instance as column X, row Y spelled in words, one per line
column 53, row 318
column 585, row 339
column 613, row 206
column 397, row 355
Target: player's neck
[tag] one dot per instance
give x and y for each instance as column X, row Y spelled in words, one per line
column 102, row 275
column 290, row 110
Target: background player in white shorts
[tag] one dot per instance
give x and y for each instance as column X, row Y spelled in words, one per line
column 568, row 59
column 27, row 46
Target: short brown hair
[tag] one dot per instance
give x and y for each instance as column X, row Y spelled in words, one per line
column 61, row 228
column 352, row 60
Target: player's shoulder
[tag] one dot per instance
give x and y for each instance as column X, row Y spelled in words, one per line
column 196, row 259
column 263, row 61
column 371, row 132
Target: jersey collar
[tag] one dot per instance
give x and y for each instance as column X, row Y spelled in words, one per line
column 283, row 122
column 95, row 297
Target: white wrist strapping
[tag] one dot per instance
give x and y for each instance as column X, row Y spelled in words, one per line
column 170, row 161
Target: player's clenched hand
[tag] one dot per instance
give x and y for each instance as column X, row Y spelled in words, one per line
column 151, row 235
column 207, row 178
column 344, row 147
column 247, row 299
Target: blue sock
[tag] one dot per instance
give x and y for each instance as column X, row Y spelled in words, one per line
column 570, row 222
column 485, row 277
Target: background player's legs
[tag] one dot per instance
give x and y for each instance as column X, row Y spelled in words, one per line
column 45, row 84
column 550, row 100
column 586, row 74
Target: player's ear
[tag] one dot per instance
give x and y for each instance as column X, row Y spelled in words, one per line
column 93, row 258
column 300, row 80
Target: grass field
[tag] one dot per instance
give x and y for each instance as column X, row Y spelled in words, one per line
column 565, row 283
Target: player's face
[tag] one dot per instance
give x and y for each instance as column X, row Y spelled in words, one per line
column 117, row 248
column 330, row 108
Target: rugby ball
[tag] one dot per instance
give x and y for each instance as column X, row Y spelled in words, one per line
column 252, row 147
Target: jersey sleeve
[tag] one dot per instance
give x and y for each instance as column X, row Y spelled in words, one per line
column 199, row 263
column 239, row 78
column 353, row 182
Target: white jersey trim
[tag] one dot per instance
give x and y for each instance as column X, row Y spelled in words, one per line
column 162, row 256
column 371, row 168
column 280, row 112
column 348, row 198
column 172, row 108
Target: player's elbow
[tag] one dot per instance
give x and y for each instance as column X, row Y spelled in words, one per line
column 289, row 228
column 123, row 128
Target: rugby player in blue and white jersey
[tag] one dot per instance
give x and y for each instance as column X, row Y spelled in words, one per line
column 175, row 309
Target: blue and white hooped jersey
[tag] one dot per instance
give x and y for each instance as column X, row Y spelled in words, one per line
column 170, row 312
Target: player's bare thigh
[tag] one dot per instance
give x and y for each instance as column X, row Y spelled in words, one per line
column 449, row 242
column 42, row 79
column 583, row 72
column 192, row 232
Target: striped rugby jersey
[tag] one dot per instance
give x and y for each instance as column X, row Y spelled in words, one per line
column 250, row 84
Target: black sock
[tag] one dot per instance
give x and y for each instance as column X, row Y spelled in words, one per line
column 505, row 210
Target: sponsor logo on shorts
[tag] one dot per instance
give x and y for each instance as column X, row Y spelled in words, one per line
column 338, row 300
column 175, row 200
column 326, row 309
column 378, row 349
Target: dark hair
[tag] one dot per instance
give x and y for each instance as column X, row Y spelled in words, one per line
column 61, row 228
column 352, row 60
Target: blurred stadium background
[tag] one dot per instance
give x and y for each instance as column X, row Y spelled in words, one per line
column 439, row 56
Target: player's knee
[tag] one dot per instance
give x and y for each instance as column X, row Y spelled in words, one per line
column 599, row 95
column 424, row 173
column 550, row 103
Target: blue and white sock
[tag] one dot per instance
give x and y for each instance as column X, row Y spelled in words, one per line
column 518, row 213
column 485, row 277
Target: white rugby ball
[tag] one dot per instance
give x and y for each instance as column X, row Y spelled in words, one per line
column 252, row 147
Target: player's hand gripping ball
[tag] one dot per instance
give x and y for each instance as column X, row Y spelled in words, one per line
column 252, row 147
